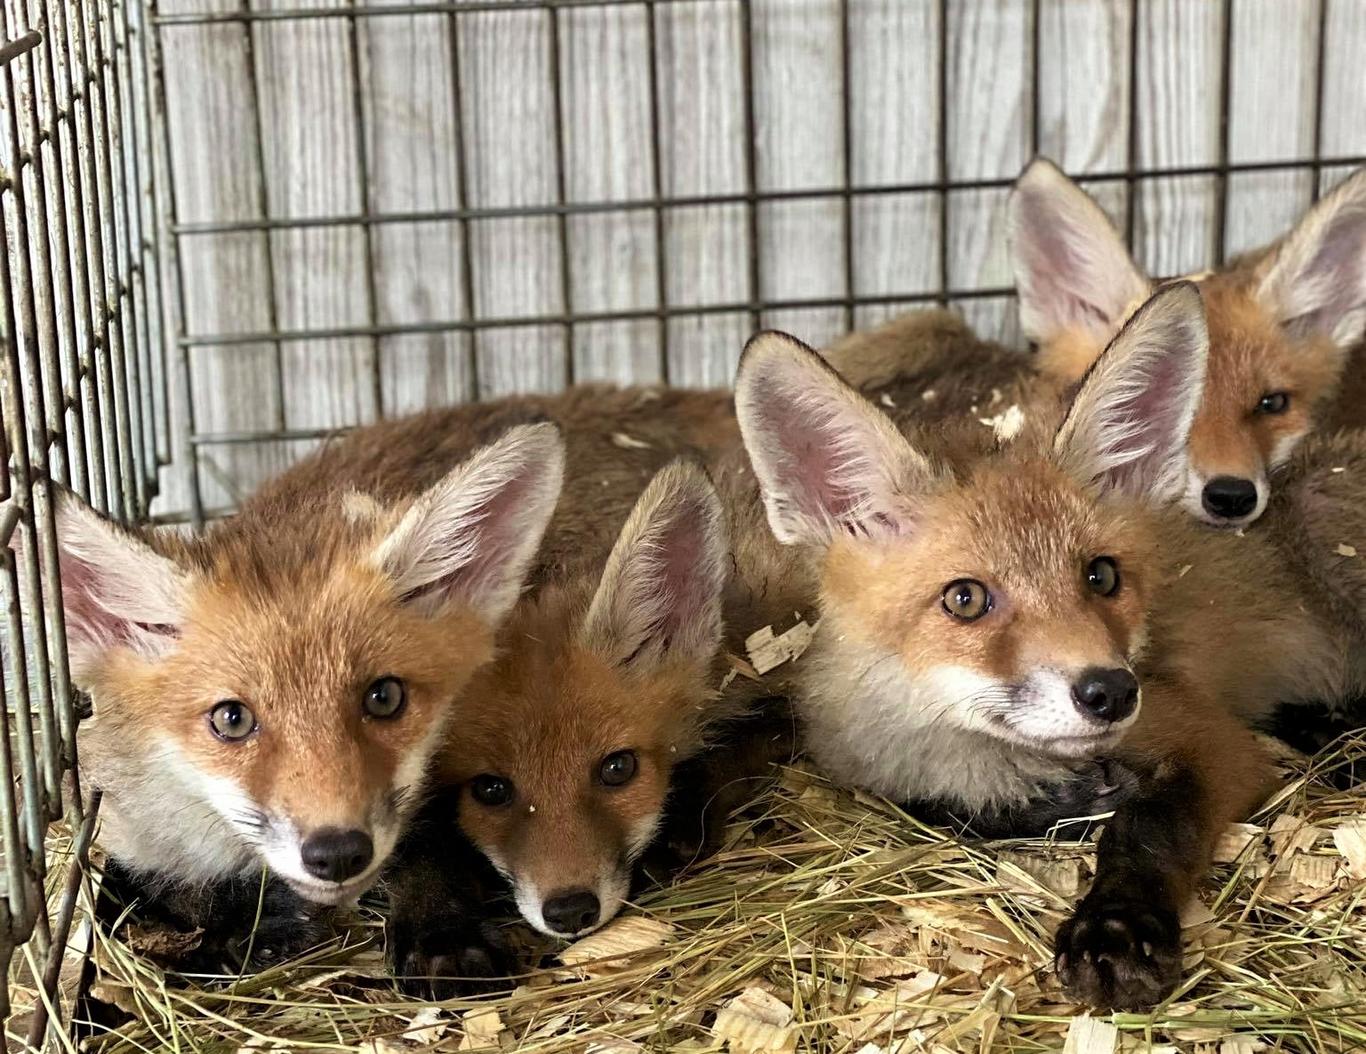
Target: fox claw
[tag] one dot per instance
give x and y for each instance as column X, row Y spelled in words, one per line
column 1119, row 954
column 448, row 962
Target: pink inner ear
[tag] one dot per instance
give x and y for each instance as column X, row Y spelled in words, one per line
column 1060, row 277
column 681, row 580
column 1149, row 424
column 814, row 458
column 1335, row 279
column 87, row 619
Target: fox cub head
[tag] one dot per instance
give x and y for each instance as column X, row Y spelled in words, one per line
column 1280, row 326
column 1007, row 597
column 275, row 689
column 566, row 745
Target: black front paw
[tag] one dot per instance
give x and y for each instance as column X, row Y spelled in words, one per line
column 279, row 937
column 1119, row 953
column 448, row 960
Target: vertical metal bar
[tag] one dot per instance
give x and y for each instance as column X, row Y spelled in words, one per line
column 272, row 292
column 566, row 281
column 111, row 317
column 1321, row 49
column 366, row 205
column 70, row 419
column 751, row 162
column 1221, row 179
column 942, row 145
column 846, row 82
column 657, row 189
column 28, row 442
column 1035, row 31
column 175, row 271
column 77, row 177
column 462, row 200
column 1131, row 158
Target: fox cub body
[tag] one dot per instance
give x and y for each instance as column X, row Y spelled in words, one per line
column 1281, row 324
column 988, row 622
column 270, row 694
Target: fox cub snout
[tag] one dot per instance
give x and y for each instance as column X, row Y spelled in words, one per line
column 565, row 748
column 273, row 691
column 1281, row 323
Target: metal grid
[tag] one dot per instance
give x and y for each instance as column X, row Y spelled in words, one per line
column 752, row 198
column 82, row 397
column 89, row 215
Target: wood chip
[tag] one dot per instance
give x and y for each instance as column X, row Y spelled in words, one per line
column 1026, row 872
column 428, row 1025
column 888, row 401
column 768, row 652
column 1007, row 424
column 482, row 1029
column 756, row 1021
column 628, row 442
column 1086, row 1035
column 1337, row 469
column 163, row 943
column 929, row 395
column 1350, row 839
column 1344, row 549
column 1291, row 835
column 603, row 953
column 1234, row 840
column 1184, row 570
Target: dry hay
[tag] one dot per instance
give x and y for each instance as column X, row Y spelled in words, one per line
column 833, row 922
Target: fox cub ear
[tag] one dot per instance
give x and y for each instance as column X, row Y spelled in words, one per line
column 1129, row 425
column 828, row 461
column 470, row 538
column 660, row 594
column 117, row 591
column 1071, row 267
column 1314, row 281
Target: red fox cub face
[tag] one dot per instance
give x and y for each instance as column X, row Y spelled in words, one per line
column 274, row 691
column 1004, row 602
column 564, row 746
column 1280, row 325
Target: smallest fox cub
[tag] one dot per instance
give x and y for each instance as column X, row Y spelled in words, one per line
column 1281, row 324
column 597, row 734
column 270, row 694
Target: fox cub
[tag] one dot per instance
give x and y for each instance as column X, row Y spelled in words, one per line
column 269, row 695
column 1281, row 321
column 988, row 619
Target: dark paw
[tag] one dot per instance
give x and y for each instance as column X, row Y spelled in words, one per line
column 280, row 938
column 448, row 963
column 1119, row 954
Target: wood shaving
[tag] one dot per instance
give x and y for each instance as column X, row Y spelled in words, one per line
column 1086, row 1035
column 1291, row 835
column 428, row 1025
column 603, row 953
column 1350, row 840
column 929, row 395
column 1027, row 872
column 482, row 1028
column 1337, row 469
column 756, row 1021
column 768, row 652
column 1234, row 840
column 163, row 943
column 1007, row 424
column 383, row 1045
column 1344, row 549
column 888, row 401
column 628, row 442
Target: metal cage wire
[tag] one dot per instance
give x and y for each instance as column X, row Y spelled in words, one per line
column 98, row 357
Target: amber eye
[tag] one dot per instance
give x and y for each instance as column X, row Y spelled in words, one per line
column 1102, row 576
column 232, row 721
column 491, row 790
column 966, row 599
column 618, row 769
column 385, row 698
column 1274, row 403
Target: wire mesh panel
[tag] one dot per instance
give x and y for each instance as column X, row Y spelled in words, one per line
column 83, row 396
column 388, row 204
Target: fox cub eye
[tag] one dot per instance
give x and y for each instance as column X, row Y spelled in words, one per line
column 230, row 720
column 1102, row 576
column 1273, row 403
column 618, row 769
column 491, row 790
column 966, row 599
column 385, row 698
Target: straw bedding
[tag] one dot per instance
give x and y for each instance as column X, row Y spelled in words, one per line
column 834, row 922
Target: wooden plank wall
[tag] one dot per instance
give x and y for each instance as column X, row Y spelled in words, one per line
column 344, row 117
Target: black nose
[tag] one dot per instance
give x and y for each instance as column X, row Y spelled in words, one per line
column 1229, row 497
column 572, row 911
column 335, row 855
column 1110, row 695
